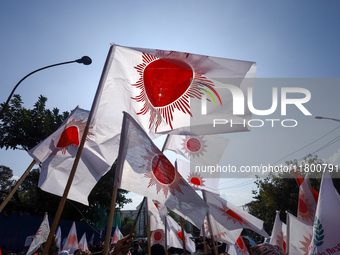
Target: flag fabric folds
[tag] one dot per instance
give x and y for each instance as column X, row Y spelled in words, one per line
column 143, row 169
column 279, row 233
column 300, row 235
column 164, row 90
column 58, row 238
column 239, row 248
column 232, row 217
column 221, row 234
column 71, row 243
column 41, row 236
column 197, row 180
column 83, row 244
column 58, row 151
column 299, row 180
column 174, row 236
column 116, row 235
column 206, row 150
column 154, row 211
column 326, row 235
column 307, row 204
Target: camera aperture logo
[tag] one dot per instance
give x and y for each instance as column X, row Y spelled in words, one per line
column 238, row 106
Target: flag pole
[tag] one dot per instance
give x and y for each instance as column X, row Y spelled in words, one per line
column 166, row 235
column 209, row 224
column 204, row 242
column 16, row 186
column 79, row 151
column 148, row 227
column 288, row 235
column 110, row 220
column 183, row 237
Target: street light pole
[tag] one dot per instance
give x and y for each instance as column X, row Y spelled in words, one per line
column 325, row 118
column 84, row 60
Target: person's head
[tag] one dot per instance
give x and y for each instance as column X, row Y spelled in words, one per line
column 135, row 246
column 157, row 249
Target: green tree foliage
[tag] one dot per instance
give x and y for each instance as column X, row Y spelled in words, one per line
column 127, row 224
column 6, row 181
column 22, row 128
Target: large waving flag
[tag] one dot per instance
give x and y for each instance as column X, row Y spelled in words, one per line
column 41, row 236
column 326, row 234
column 167, row 91
column 300, row 235
column 279, row 233
column 83, row 244
column 57, row 154
column 221, row 234
column 206, row 150
column 195, row 179
column 307, row 204
column 175, row 236
column 143, row 169
column 232, row 217
column 71, row 243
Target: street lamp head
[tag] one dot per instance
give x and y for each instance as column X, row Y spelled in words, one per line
column 318, row 117
column 84, row 60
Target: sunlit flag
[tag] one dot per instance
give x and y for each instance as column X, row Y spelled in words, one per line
column 83, row 244
column 143, row 169
column 232, row 217
column 71, row 243
column 58, row 238
column 307, row 204
column 326, row 235
column 279, row 233
column 57, row 154
column 196, row 179
column 221, row 234
column 239, row 248
column 300, row 236
column 116, row 235
column 175, row 236
column 205, row 150
column 155, row 214
column 158, row 237
column 41, row 236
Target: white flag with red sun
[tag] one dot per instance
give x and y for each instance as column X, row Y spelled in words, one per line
column 232, row 217
column 206, row 150
column 83, row 243
column 117, row 235
column 154, row 208
column 143, row 169
column 239, row 248
column 158, row 237
column 307, row 204
column 175, row 236
column 71, row 243
column 41, row 236
column 221, row 234
column 197, row 180
column 57, row 154
column 326, row 234
column 166, row 90
column 300, row 236
column 279, row 233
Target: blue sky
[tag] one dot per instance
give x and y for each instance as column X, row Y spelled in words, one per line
column 287, row 39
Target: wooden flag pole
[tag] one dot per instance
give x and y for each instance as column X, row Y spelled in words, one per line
column 209, row 224
column 166, row 235
column 16, row 186
column 183, row 237
column 110, row 220
column 79, row 151
column 148, row 227
column 204, row 242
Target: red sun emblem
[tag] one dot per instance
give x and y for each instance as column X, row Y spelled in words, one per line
column 167, row 82
column 241, row 246
column 207, row 231
column 157, row 236
column 231, row 215
column 194, row 146
column 196, row 180
column 306, row 244
column 306, row 210
column 162, row 174
column 72, row 240
column 180, row 236
column 74, row 130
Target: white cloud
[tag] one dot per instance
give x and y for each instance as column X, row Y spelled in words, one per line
column 335, row 158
